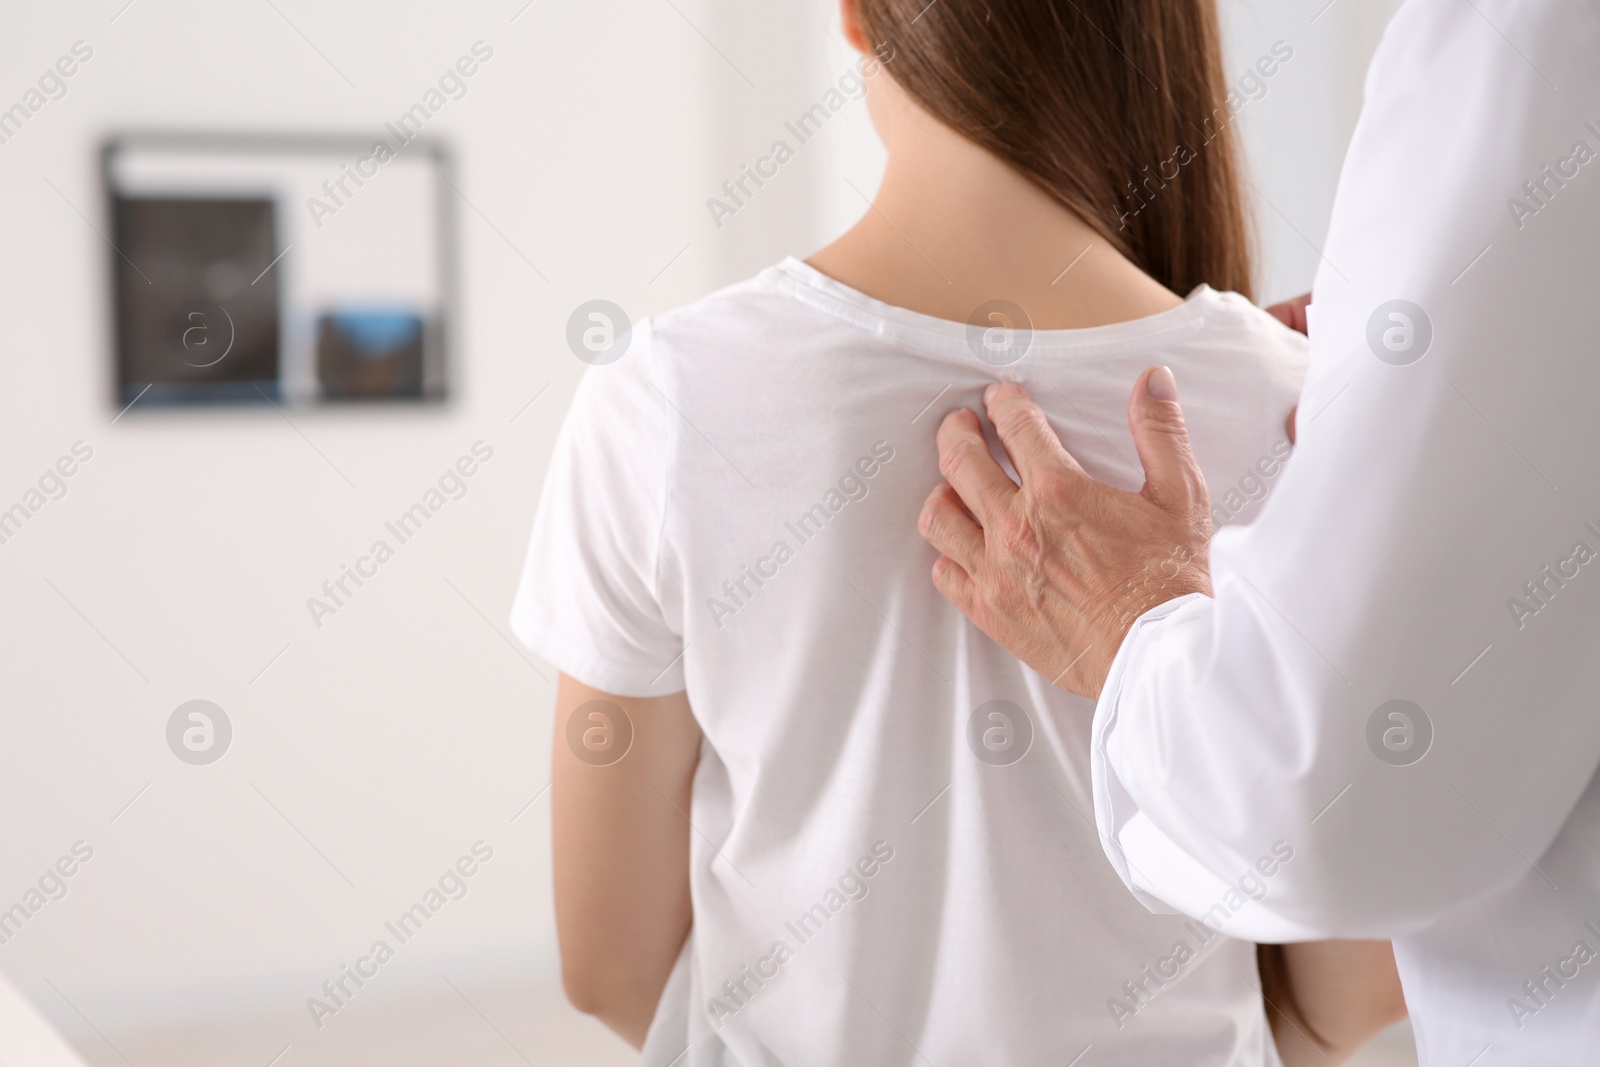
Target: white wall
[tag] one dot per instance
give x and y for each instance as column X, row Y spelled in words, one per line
column 179, row 563
column 407, row 727
column 1295, row 135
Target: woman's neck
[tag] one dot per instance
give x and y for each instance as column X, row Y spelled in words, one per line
column 952, row 228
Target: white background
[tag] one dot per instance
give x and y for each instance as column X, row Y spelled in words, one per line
column 375, row 750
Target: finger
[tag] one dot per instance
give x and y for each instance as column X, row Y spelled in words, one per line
column 1288, row 425
column 954, row 584
column 947, row 525
column 966, row 464
column 1172, row 478
column 1035, row 450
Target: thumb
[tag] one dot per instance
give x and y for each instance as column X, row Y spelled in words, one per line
column 1172, row 478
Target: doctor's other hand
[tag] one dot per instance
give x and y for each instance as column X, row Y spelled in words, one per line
column 1292, row 313
column 1057, row 570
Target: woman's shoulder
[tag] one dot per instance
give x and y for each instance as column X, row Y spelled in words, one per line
column 645, row 365
column 1249, row 341
column 1230, row 315
column 758, row 302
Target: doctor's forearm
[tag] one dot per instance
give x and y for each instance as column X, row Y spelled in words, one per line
column 1213, row 708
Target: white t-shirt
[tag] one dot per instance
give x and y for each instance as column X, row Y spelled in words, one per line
column 894, row 859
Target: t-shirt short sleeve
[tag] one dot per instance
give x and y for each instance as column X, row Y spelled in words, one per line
column 590, row 600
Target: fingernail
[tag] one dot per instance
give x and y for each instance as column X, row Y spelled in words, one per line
column 1162, row 385
column 989, row 391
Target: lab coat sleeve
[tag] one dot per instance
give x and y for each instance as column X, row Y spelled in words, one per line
column 1388, row 706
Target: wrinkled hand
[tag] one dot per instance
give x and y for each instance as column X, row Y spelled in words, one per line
column 1057, row 570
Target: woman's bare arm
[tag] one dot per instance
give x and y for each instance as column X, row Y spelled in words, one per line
column 1342, row 994
column 621, row 839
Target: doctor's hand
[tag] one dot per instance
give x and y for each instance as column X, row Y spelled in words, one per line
column 1057, row 570
column 1292, row 313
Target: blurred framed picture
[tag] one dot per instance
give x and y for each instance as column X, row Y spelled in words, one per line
column 293, row 270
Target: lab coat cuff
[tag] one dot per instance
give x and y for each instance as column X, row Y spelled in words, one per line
column 1114, row 806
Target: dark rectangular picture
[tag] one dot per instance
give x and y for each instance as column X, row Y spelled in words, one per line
column 197, row 317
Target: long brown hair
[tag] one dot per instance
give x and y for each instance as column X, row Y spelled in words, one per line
column 1117, row 108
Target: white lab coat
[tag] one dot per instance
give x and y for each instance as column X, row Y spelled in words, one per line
column 1435, row 540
